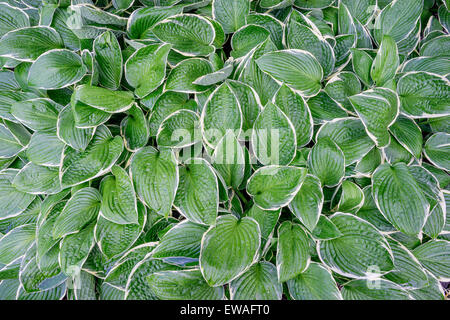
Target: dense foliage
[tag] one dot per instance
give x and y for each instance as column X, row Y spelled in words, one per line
column 224, row 149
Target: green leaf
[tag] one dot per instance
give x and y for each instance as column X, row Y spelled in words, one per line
column 307, row 37
column 324, row 109
column 145, row 70
column 109, row 59
column 327, row 162
column 361, row 9
column 27, row 44
column 399, row 198
column 231, row 14
column 432, row 291
column 397, row 19
column 341, row 86
column 36, row 179
column 45, row 149
column 78, row 212
column 12, row 18
column 215, row 77
column 183, row 285
column 267, row 220
column 378, row 110
column 197, row 197
column 313, row 4
column 155, row 177
column 349, row 196
column 236, row 242
column 259, row 282
column 423, row 94
column 349, row 135
column 273, row 187
column 179, row 130
column 437, row 65
column 297, row 111
column 183, row 240
column 10, row 145
column 76, row 138
column 247, row 38
column 134, row 128
column 437, row 150
column 168, row 103
column 408, row 134
column 362, row 65
column 13, row 201
column 142, row 20
column 292, row 251
column 119, row 199
column 296, row 68
column 114, row 239
column 437, row 47
column 138, row 287
column 56, row 69
column 250, row 73
column 37, row 114
column 434, row 255
column 307, row 203
column 178, row 30
column 377, row 289
column 229, row 160
column 181, row 78
column 407, row 270
column 358, row 250
column 386, row 62
column 104, row 99
column 274, row 137
column 269, row 22
column 221, row 113
column 316, row 283
column 16, row 242
column 97, row 159
column 325, row 229
column 74, row 250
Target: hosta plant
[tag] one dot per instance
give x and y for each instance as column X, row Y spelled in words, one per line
column 224, row 149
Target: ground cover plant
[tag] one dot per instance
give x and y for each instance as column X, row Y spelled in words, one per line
column 224, row 149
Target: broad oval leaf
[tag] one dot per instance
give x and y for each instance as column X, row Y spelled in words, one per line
column 27, row 44
column 197, row 195
column 273, row 187
column 222, row 112
column 360, row 247
column 400, row 198
column 231, row 14
column 98, row 157
column 307, row 203
column 259, row 282
column 119, row 199
column 182, row 285
column 379, row 290
column 296, row 68
column 434, row 255
column 292, row 251
column 78, row 212
column 56, row 69
column 178, row 31
column 273, row 137
column 145, row 70
column 325, row 155
column 155, row 177
column 423, row 94
column 437, row 150
column 228, row 249
column 316, row 283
